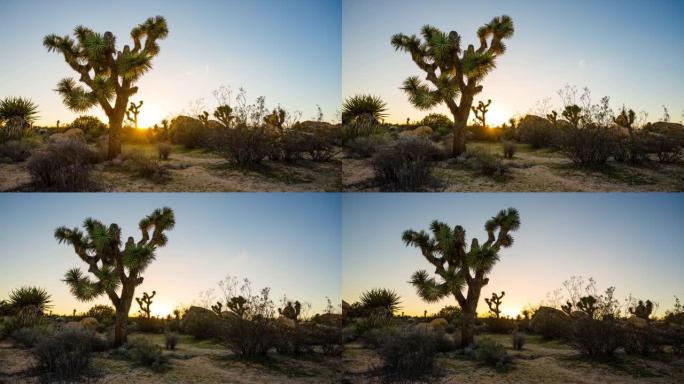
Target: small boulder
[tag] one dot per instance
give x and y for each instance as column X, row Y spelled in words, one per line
column 423, row 327
column 89, row 323
column 75, row 134
column 439, row 324
column 421, row 132
column 73, row 325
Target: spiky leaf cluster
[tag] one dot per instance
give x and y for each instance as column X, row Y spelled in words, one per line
column 457, row 267
column 29, row 297
column 383, row 298
column 18, row 107
column 363, row 105
column 110, row 265
column 450, row 69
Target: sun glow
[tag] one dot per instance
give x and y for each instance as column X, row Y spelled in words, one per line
column 150, row 114
column 497, row 115
column 161, row 309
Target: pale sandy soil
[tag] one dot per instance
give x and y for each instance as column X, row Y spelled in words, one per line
column 534, row 171
column 538, row 362
column 195, row 171
column 191, row 362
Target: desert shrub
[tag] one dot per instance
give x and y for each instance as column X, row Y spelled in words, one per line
column 373, row 320
column 189, row 132
column 319, row 147
column 250, row 338
column 201, row 323
column 673, row 335
column 103, row 313
column 406, row 165
column 361, row 126
column 480, row 133
column 551, row 323
column 65, row 355
column 499, row 325
column 30, row 336
column 164, row 151
column 63, row 167
column 642, row 341
column 329, row 338
column 509, row 149
column 438, row 122
column 591, row 145
column 518, row 340
column 145, row 167
column 491, row 353
column 29, row 297
column 171, row 340
column 366, row 146
column 294, row 341
column 290, row 146
column 150, row 324
column 596, row 337
column 451, row 313
column 91, row 126
column 244, row 146
column 16, row 151
column 537, row 131
column 409, row 354
column 667, row 149
column 487, row 164
column 145, row 353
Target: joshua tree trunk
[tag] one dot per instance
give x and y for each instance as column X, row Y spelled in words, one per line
column 467, row 328
column 115, row 127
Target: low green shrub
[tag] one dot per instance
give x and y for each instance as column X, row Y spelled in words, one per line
column 30, row 336
column 509, row 149
column 249, row 338
column 406, row 165
column 164, row 151
column 518, row 340
column 145, row 353
column 499, row 325
column 487, row 164
column 489, row 352
column 595, row 338
column 171, row 340
column 144, row 166
column 409, row 354
column 65, row 355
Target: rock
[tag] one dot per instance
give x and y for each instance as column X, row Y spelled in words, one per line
column 549, row 322
column 439, row 324
column 421, row 132
column 73, row 325
column 200, row 322
column 229, row 315
column 674, row 130
column 90, row 323
column 637, row 322
column 677, row 318
column 579, row 315
column 423, row 327
column 75, row 134
column 287, row 323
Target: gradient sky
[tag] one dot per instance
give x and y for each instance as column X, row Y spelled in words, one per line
column 630, row 241
column 287, row 51
column 629, row 50
column 289, row 242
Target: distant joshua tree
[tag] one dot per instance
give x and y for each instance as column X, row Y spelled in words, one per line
column 117, row 271
column 132, row 113
column 481, row 112
column 459, row 268
column 109, row 74
column 642, row 309
column 494, row 302
column 145, row 302
column 453, row 72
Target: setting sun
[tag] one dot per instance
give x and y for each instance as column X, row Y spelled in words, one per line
column 150, row 114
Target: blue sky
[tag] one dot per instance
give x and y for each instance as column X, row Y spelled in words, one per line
column 630, row 50
column 630, row 241
column 289, row 242
column 287, row 51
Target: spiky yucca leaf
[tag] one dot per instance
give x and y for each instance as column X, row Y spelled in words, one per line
column 427, row 287
column 21, row 107
column 381, row 298
column 420, row 94
column 363, row 104
column 30, row 296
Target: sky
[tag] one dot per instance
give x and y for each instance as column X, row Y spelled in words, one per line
column 287, row 51
column 289, row 242
column 630, row 241
column 629, row 50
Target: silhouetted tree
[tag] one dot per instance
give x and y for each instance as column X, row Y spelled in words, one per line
column 642, row 309
column 494, row 302
column 460, row 268
column 481, row 112
column 132, row 113
column 117, row 270
column 109, row 74
column 145, row 302
column 453, row 72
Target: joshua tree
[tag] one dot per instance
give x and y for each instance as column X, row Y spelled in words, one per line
column 18, row 107
column 112, row 266
column 381, row 298
column 364, row 105
column 218, row 308
column 453, row 72
column 459, row 268
column 224, row 114
column 276, row 119
column 238, row 305
column 567, row 307
column 494, row 303
column 132, row 113
column 587, row 304
column 109, row 74
column 552, row 117
column 573, row 113
column 204, row 118
column 481, row 111
column 291, row 311
column 642, row 309
column 145, row 302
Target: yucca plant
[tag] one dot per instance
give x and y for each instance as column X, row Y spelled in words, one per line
column 359, row 105
column 459, row 268
column 109, row 74
column 21, row 107
column 454, row 74
column 381, row 298
column 30, row 297
column 117, row 270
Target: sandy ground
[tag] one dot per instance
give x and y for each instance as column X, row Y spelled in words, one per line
column 535, row 171
column 191, row 362
column 538, row 362
column 195, row 171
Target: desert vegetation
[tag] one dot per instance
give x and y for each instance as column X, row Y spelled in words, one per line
column 578, row 334
column 239, row 146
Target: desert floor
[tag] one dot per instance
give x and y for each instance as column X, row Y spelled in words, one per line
column 191, row 362
column 539, row 362
column 198, row 171
column 534, row 171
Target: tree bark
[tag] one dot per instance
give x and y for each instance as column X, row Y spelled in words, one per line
column 122, row 310
column 468, row 327
column 458, row 145
column 115, row 128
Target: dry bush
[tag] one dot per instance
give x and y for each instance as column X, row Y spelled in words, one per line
column 164, row 151
column 64, row 167
column 244, row 146
column 596, row 337
column 64, row 356
column 518, row 340
column 491, row 353
column 249, row 338
column 487, row 164
column 589, row 146
column 145, row 353
column 509, row 149
column 406, row 165
column 409, row 354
